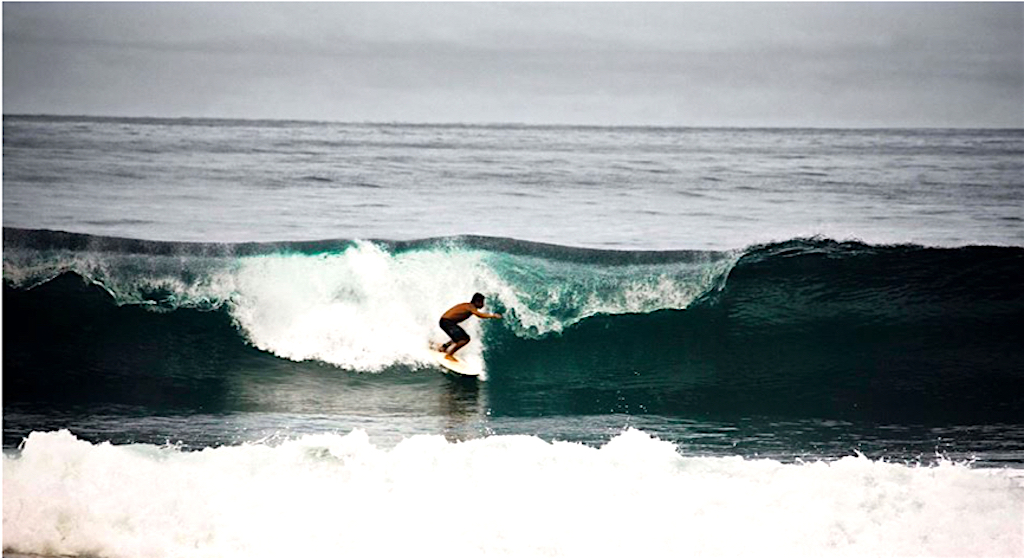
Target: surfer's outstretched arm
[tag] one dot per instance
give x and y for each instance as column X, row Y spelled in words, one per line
column 484, row 315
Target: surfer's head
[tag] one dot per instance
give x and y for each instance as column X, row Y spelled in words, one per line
column 478, row 300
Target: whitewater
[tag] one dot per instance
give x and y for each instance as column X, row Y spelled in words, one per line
column 502, row 495
column 717, row 342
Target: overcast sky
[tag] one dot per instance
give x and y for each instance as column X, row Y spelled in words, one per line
column 717, row 64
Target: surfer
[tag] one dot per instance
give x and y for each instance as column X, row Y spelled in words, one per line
column 450, row 323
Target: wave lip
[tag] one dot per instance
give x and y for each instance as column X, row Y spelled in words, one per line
column 64, row 496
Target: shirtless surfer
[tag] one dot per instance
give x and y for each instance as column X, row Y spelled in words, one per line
column 450, row 323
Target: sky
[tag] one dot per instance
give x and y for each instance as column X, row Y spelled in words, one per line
column 671, row 64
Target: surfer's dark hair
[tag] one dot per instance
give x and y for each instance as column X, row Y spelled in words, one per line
column 477, row 297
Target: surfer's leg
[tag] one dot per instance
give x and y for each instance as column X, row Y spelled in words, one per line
column 452, row 330
column 456, row 346
column 459, row 338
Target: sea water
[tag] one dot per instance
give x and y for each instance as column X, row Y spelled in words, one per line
column 716, row 342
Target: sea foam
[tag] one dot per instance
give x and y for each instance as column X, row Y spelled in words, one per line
column 360, row 309
column 341, row 495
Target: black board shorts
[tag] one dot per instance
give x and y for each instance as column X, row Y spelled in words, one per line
column 453, row 330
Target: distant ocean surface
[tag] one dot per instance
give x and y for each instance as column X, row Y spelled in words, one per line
column 716, row 342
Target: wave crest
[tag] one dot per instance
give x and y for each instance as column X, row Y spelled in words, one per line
column 367, row 305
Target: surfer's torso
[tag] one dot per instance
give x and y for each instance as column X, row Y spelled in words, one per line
column 460, row 312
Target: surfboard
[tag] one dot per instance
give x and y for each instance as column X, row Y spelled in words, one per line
column 457, row 366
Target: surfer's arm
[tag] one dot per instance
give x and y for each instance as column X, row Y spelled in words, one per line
column 484, row 315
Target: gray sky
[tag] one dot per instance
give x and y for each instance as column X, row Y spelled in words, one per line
column 689, row 64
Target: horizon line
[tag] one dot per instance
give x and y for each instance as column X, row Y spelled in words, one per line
column 503, row 124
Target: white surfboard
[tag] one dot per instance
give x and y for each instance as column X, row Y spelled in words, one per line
column 457, row 366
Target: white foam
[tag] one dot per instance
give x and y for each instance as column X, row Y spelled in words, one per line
column 362, row 309
column 333, row 495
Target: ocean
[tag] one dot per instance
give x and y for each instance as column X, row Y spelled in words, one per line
column 715, row 342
